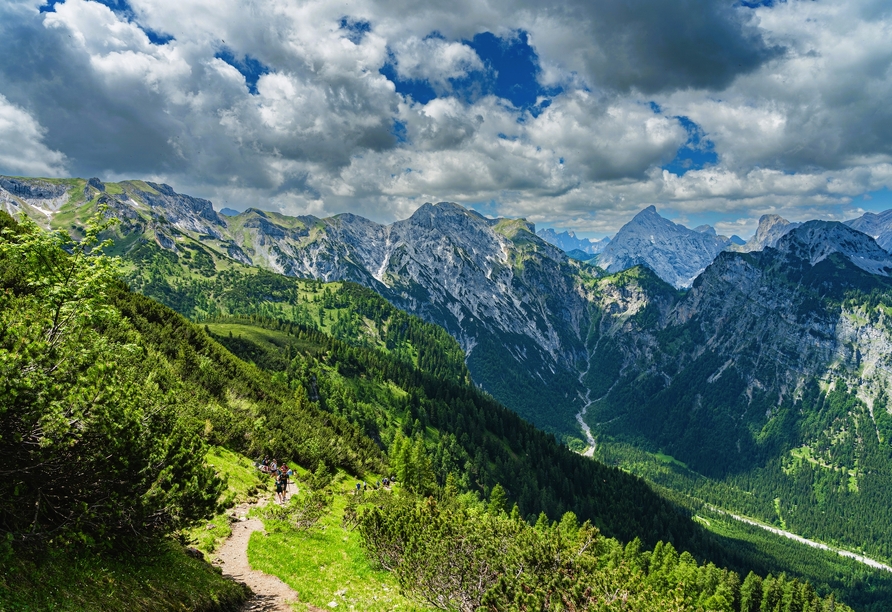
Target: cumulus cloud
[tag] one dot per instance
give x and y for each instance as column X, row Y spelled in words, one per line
column 288, row 106
column 23, row 151
column 435, row 60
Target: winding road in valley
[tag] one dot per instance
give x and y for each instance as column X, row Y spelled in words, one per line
column 580, row 418
column 792, row 536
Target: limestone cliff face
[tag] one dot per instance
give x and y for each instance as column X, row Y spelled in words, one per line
column 677, row 254
column 504, row 293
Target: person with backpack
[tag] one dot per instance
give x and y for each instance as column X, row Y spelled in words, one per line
column 282, row 483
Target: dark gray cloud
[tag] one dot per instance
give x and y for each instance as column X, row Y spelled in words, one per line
column 100, row 124
column 654, row 46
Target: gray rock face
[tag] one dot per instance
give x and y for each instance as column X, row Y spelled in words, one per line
column 814, row 241
column 876, row 225
column 36, row 198
column 182, row 211
column 32, row 189
column 505, row 294
column 677, row 254
column 771, row 229
column 567, row 241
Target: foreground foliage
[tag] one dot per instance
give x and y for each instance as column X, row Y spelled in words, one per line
column 455, row 557
column 92, row 447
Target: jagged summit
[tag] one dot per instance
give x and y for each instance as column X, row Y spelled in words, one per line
column 674, row 252
column 568, row 242
column 876, row 225
column 771, row 229
column 814, row 241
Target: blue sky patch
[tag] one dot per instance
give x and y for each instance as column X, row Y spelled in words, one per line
column 420, row 91
column 514, row 65
column 399, row 131
column 753, row 4
column 354, row 29
column 249, row 67
column 122, row 7
column 157, row 38
column 875, row 201
column 512, row 68
column 698, row 152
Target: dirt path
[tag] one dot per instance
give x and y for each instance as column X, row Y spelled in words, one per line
column 270, row 593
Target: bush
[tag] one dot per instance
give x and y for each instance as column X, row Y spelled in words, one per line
column 91, row 444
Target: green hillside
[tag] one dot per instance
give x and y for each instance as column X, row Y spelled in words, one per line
column 123, row 395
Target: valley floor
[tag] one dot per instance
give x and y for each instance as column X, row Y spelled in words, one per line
column 792, row 536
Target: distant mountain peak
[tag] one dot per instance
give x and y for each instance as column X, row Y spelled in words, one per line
column 771, row 229
column 814, row 241
column 674, row 252
column 568, row 242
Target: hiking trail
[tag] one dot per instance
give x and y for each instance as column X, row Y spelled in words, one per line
column 270, row 593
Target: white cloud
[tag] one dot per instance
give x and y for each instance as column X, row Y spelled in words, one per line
column 435, row 60
column 22, row 151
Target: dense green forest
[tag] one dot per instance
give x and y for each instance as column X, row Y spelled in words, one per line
column 460, row 556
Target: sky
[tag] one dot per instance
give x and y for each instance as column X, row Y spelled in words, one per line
column 575, row 115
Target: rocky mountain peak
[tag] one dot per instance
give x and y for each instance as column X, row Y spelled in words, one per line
column 876, row 225
column 771, row 229
column 814, row 241
column 674, row 252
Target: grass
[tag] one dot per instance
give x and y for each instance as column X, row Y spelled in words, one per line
column 244, row 484
column 327, row 564
column 161, row 579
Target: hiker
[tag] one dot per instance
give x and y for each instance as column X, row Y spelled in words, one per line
column 282, row 484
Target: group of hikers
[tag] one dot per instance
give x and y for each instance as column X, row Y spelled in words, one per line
column 281, row 472
column 362, row 486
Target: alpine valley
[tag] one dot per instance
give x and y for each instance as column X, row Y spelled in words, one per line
column 737, row 378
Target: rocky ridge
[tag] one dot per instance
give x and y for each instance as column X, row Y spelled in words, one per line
column 876, row 225
column 752, row 334
column 513, row 301
column 567, row 241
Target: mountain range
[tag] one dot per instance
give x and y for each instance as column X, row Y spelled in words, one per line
column 567, row 241
column 764, row 367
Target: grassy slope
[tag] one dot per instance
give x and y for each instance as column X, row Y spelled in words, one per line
column 163, row 578
column 327, row 563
